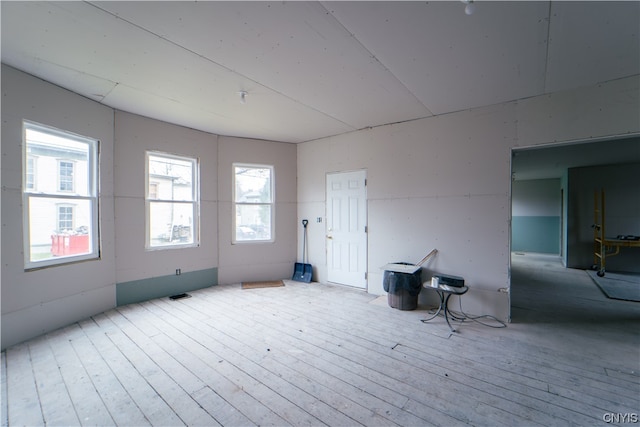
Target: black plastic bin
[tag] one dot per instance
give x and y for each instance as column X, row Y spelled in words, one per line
column 402, row 288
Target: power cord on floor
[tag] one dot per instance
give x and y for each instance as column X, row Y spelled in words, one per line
column 461, row 316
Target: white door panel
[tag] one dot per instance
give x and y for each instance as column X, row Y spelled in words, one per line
column 346, row 228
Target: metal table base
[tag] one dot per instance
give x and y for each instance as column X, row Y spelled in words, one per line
column 445, row 293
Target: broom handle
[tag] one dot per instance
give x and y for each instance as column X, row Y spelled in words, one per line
column 304, row 241
column 429, row 255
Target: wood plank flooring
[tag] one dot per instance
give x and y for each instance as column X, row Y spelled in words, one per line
column 312, row 354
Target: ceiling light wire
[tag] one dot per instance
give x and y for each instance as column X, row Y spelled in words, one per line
column 243, row 96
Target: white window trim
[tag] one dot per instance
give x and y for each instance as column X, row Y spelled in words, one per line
column 195, row 179
column 234, row 204
column 92, row 197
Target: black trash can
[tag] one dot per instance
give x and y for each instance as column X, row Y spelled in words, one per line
column 402, row 288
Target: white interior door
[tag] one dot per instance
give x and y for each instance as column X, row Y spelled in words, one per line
column 346, row 228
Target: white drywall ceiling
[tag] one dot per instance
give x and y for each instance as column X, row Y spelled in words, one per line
column 315, row 69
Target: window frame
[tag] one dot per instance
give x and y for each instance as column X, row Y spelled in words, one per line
column 195, row 202
column 235, row 203
column 61, row 198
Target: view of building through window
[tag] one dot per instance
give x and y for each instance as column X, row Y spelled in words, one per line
column 254, row 201
column 172, row 200
column 60, row 197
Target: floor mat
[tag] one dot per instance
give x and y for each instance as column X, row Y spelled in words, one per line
column 267, row 284
column 622, row 286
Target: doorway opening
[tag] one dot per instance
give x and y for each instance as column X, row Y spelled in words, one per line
column 561, row 226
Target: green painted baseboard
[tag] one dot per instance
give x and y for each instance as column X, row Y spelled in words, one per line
column 164, row 286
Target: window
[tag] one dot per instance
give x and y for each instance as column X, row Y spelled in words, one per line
column 253, row 198
column 172, row 201
column 153, row 190
column 65, row 219
column 61, row 211
column 30, row 178
column 65, row 175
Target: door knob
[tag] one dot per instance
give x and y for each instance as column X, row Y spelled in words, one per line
column 329, row 237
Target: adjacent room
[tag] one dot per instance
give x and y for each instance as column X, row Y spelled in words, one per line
column 199, row 200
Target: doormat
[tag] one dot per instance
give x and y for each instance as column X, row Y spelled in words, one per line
column 267, row 284
column 618, row 285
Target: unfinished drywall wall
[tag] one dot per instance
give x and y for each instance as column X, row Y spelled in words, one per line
column 536, row 209
column 444, row 182
column 622, row 213
column 257, row 261
column 432, row 183
column 38, row 301
column 135, row 265
column 605, row 110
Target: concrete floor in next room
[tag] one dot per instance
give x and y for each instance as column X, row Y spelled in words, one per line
column 311, row 354
column 563, row 308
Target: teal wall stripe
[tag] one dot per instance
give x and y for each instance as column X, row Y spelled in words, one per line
column 163, row 286
column 536, row 234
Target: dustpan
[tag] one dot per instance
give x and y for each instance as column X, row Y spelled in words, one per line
column 302, row 271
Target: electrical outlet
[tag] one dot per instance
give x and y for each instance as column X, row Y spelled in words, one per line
column 178, row 271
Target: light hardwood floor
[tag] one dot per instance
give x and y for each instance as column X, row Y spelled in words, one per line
column 311, row 354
